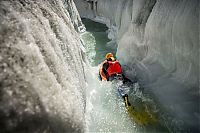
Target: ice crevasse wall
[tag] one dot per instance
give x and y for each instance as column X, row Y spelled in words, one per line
column 159, row 39
column 42, row 83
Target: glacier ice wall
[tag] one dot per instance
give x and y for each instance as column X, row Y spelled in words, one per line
column 159, row 39
column 42, row 83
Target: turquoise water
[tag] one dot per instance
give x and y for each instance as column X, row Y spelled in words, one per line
column 97, row 42
column 105, row 110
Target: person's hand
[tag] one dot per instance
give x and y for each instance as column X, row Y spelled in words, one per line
column 104, row 79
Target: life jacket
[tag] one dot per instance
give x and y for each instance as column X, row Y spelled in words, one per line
column 114, row 68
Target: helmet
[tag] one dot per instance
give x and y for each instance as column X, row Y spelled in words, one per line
column 109, row 55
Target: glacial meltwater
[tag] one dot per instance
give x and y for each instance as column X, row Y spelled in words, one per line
column 105, row 109
column 49, row 66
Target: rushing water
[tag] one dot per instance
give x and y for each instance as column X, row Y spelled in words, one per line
column 96, row 41
column 105, row 111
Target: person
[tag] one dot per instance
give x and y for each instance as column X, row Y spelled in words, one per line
column 109, row 68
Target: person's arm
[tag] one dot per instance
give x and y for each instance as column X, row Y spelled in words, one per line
column 103, row 71
column 103, row 76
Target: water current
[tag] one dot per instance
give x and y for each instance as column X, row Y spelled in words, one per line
column 105, row 108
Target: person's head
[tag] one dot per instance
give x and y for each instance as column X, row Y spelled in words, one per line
column 110, row 57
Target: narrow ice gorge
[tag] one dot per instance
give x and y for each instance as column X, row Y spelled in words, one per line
column 42, row 76
column 42, row 59
column 158, row 40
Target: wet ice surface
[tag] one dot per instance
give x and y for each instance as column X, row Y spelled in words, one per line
column 160, row 39
column 41, row 67
column 105, row 109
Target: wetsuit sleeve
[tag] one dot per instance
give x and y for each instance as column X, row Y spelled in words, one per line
column 105, row 66
column 103, row 71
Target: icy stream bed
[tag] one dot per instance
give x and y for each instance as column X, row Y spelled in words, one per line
column 105, row 110
column 160, row 40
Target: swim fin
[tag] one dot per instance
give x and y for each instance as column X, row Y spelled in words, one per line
column 127, row 103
